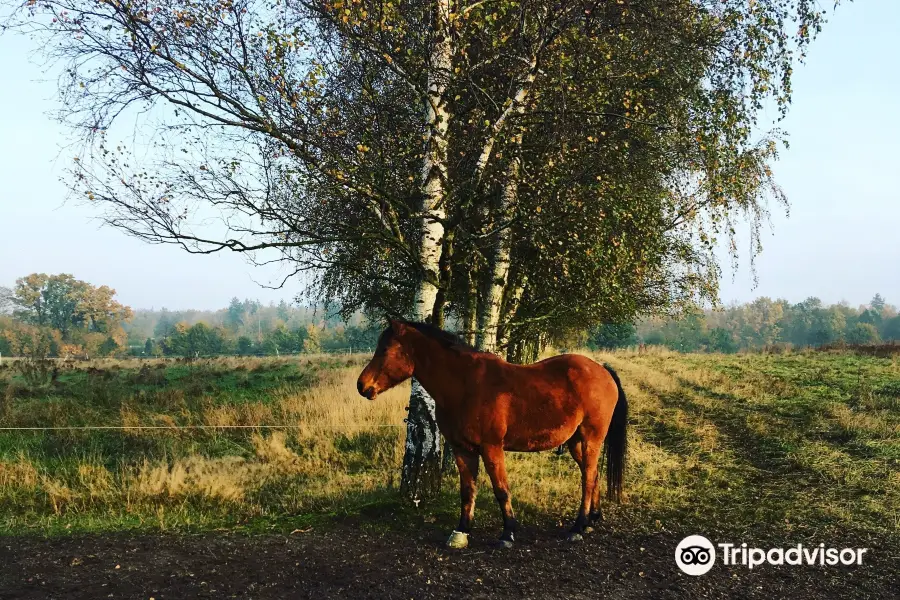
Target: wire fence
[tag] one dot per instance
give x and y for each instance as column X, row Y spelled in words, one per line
column 348, row 351
column 337, row 351
column 178, row 427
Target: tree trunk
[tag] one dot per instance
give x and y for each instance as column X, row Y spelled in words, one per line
column 470, row 322
column 437, row 319
column 499, row 268
column 448, row 461
column 421, row 475
column 445, row 279
column 511, row 300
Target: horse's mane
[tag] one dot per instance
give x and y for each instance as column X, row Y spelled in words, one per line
column 446, row 338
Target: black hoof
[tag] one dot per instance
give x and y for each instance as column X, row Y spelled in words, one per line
column 506, row 540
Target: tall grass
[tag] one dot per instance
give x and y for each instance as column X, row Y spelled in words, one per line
column 326, row 443
column 721, row 441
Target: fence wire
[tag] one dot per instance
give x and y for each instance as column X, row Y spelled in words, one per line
column 178, row 427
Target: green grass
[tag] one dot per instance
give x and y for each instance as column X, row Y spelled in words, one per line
column 794, row 445
column 795, row 442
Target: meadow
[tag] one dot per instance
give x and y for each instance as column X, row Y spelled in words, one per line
column 805, row 444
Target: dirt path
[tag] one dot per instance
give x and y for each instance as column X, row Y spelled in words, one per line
column 343, row 562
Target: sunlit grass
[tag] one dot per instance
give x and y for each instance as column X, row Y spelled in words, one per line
column 793, row 442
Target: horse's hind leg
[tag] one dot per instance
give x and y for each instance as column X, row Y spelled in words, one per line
column 596, row 514
column 589, row 453
column 575, row 449
column 467, row 465
column 495, row 464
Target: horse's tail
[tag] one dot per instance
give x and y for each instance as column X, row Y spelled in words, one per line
column 616, row 442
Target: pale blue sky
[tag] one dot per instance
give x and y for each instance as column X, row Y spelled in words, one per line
column 841, row 241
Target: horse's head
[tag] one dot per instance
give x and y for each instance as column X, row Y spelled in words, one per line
column 391, row 364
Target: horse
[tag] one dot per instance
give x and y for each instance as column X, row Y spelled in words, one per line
column 485, row 406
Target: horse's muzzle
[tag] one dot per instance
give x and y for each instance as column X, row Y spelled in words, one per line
column 367, row 392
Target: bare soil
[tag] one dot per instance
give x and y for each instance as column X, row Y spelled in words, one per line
column 350, row 561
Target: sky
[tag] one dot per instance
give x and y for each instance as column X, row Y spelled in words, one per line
column 841, row 241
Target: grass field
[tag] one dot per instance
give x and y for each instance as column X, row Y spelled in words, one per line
column 801, row 443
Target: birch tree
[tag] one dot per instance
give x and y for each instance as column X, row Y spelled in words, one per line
column 638, row 159
column 422, row 459
column 546, row 165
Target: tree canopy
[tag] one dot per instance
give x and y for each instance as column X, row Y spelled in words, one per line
column 297, row 125
column 70, row 306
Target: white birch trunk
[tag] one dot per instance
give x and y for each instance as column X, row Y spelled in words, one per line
column 489, row 318
column 499, row 269
column 421, row 476
column 513, row 106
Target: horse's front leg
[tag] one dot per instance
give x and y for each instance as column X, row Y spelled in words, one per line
column 467, row 465
column 495, row 463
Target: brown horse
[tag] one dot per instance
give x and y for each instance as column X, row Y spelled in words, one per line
column 485, row 406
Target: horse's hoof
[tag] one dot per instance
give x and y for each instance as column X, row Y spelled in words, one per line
column 588, row 529
column 505, row 544
column 574, row 538
column 458, row 540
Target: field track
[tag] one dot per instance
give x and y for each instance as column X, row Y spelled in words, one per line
column 342, row 562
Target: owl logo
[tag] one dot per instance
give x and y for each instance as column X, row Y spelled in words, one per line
column 695, row 555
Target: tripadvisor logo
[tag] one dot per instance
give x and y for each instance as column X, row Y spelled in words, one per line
column 696, row 555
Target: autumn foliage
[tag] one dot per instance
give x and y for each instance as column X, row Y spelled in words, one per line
column 58, row 315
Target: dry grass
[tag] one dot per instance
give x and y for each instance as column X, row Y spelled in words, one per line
column 18, row 474
column 868, row 423
column 334, row 405
column 226, row 478
column 334, row 444
column 735, row 440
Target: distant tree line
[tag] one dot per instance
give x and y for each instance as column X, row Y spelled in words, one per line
column 60, row 316
column 756, row 325
column 245, row 328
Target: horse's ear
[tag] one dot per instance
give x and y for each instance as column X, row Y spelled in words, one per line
column 396, row 326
